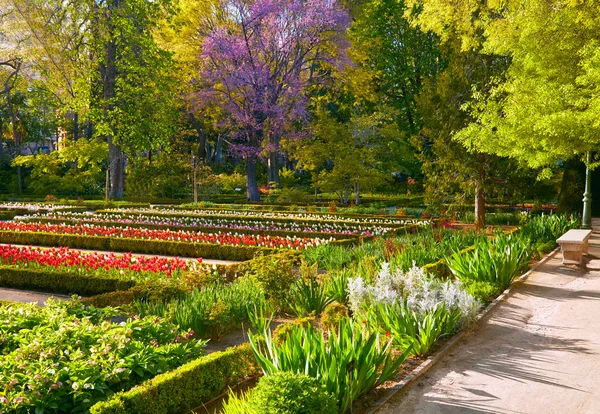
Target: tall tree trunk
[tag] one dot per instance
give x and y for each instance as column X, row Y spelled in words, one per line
column 480, row 194
column 117, row 174
column 357, row 197
column 17, row 139
column 346, row 195
column 1, row 140
column 273, row 168
column 251, row 181
column 219, row 150
column 201, row 137
column 479, row 206
column 75, row 126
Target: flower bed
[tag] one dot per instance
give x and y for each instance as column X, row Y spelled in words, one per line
column 228, row 239
column 109, row 265
column 162, row 247
column 274, row 216
column 213, row 224
column 65, row 358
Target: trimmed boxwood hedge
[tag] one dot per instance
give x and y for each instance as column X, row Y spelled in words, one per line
column 308, row 235
column 160, row 247
column 59, row 282
column 186, row 387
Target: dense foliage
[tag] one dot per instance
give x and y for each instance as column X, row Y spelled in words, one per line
column 64, row 358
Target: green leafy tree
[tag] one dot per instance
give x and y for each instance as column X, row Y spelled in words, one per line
column 73, row 170
column 547, row 105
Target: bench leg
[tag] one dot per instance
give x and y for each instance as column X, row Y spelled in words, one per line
column 585, row 247
column 573, row 257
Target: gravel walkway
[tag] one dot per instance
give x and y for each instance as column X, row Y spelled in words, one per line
column 26, row 296
column 537, row 352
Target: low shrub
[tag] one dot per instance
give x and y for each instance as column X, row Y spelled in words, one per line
column 284, row 393
column 210, row 311
column 186, row 387
column 496, row 261
column 308, row 295
column 414, row 332
column 348, row 364
column 162, row 247
column 333, row 314
column 60, row 282
column 275, row 276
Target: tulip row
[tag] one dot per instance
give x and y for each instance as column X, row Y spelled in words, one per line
column 215, row 223
column 69, row 260
column 223, row 239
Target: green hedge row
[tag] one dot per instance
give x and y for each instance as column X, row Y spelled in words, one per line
column 259, row 219
column 186, row 387
column 161, row 247
column 308, row 235
column 59, row 282
column 8, row 214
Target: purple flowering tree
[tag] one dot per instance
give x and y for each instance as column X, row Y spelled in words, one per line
column 258, row 58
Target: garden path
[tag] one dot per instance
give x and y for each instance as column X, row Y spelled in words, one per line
column 536, row 352
column 26, row 296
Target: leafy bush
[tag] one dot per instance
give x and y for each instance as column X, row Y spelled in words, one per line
column 166, row 176
column 348, row 364
column 308, row 296
column 210, row 311
column 414, row 331
column 186, row 387
column 284, row 393
column 75, row 169
column 332, row 315
column 496, row 219
column 496, row 261
column 482, row 290
column 64, row 357
column 336, row 284
column 548, row 228
column 274, row 275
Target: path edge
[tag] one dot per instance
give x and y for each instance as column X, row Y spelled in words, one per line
column 442, row 352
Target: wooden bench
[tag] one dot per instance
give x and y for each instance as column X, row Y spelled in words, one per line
column 574, row 244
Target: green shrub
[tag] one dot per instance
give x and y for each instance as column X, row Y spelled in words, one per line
column 348, row 364
column 284, row 393
column 413, row 332
column 308, row 296
column 163, row 247
column 332, row 315
column 64, row 357
column 275, row 276
column 210, row 311
column 186, row 387
column 59, row 282
column 482, row 290
column 496, row 261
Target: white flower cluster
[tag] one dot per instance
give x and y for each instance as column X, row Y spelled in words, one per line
column 422, row 293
